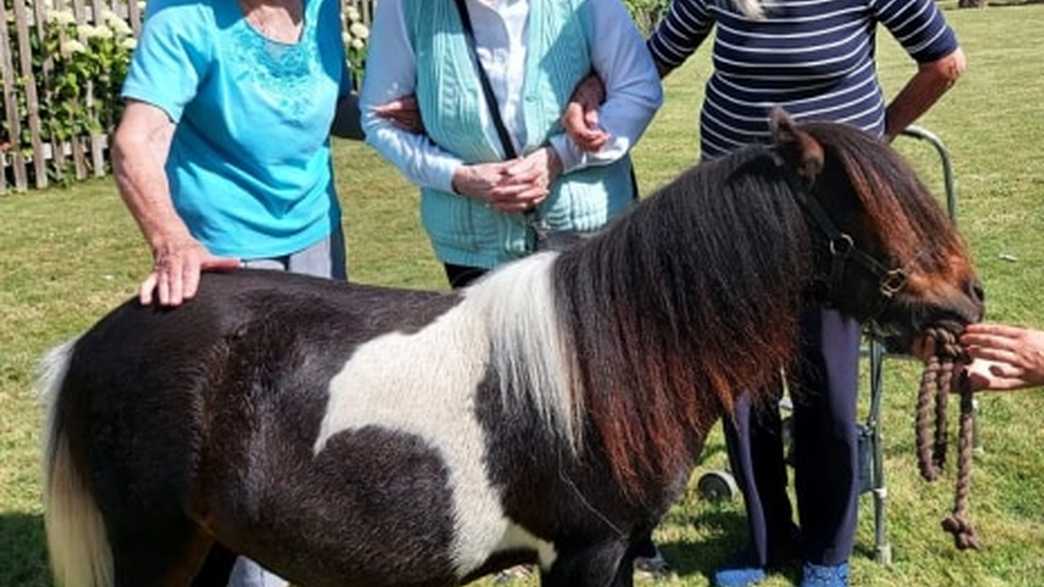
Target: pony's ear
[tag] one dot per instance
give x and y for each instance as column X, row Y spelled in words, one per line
column 798, row 148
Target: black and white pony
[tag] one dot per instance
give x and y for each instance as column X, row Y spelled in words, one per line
column 552, row 413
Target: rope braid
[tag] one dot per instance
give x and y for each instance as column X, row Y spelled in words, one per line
column 937, row 381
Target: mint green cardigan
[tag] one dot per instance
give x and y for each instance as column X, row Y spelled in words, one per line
column 463, row 230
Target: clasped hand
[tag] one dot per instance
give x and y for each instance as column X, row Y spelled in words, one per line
column 512, row 186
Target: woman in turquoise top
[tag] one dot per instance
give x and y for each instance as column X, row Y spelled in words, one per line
column 223, row 151
column 480, row 210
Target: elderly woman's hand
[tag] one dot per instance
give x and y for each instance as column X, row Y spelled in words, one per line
column 580, row 119
column 512, row 186
column 1006, row 357
column 403, row 113
column 176, row 269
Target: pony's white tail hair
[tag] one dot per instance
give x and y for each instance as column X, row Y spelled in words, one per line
column 80, row 553
column 751, row 8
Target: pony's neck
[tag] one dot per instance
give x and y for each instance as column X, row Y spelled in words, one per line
column 683, row 304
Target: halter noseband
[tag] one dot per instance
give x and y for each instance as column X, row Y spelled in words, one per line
column 842, row 247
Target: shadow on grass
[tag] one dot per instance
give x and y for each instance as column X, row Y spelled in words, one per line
column 724, row 538
column 23, row 553
column 723, row 534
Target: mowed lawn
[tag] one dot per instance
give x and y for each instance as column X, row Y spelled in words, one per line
column 68, row 256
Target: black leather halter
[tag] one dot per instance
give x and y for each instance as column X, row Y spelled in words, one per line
column 842, row 247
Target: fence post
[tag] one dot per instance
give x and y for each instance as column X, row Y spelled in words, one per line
column 134, row 15
column 97, row 152
column 21, row 179
column 25, row 54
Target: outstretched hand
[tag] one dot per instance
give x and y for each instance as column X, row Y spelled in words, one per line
column 1005, row 357
column 580, row 118
column 176, row 270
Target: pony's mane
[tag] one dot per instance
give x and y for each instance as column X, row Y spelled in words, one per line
column 904, row 213
column 647, row 332
column 681, row 305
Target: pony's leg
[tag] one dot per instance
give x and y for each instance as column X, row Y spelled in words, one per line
column 593, row 566
column 162, row 555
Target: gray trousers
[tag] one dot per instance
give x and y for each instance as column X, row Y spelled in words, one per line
column 325, row 258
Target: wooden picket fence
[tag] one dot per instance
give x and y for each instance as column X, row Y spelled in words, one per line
column 29, row 25
column 23, row 27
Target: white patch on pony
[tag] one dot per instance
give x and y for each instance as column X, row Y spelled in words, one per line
column 425, row 383
column 529, row 351
column 518, row 538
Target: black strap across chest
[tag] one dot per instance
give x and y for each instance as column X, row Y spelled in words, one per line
column 487, row 87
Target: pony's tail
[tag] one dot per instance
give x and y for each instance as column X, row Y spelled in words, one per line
column 76, row 538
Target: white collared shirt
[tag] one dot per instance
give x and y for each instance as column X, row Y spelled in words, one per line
column 618, row 55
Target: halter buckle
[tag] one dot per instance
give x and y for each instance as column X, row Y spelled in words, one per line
column 841, row 245
column 893, row 282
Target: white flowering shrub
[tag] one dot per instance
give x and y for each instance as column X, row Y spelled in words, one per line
column 356, row 36
column 78, row 93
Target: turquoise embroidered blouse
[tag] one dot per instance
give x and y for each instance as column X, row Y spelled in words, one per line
column 249, row 165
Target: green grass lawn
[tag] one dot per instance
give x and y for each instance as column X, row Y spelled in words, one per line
column 68, row 256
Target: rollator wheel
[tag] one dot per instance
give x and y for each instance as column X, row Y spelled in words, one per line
column 717, row 486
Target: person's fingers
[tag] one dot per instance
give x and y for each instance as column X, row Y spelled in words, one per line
column 523, row 175
column 532, row 196
column 996, row 383
column 573, row 120
column 989, row 328
column 391, row 107
column 596, row 143
column 163, row 286
column 520, row 166
column 1007, row 371
column 508, row 192
column 591, row 118
column 146, row 289
column 190, row 277
column 399, row 124
column 989, row 341
column 991, row 354
column 212, row 263
column 177, row 283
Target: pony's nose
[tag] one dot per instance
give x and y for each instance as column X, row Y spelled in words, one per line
column 977, row 294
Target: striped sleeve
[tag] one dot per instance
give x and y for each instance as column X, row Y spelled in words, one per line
column 919, row 26
column 686, row 24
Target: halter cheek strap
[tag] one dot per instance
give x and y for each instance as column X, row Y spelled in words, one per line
column 842, row 247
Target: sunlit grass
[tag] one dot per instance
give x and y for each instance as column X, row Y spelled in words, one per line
column 69, row 256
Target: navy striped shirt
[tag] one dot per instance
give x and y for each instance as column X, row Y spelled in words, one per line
column 815, row 58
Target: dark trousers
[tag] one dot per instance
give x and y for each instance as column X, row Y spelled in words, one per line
column 823, row 388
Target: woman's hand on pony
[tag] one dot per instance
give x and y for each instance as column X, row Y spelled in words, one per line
column 1004, row 357
column 176, row 270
